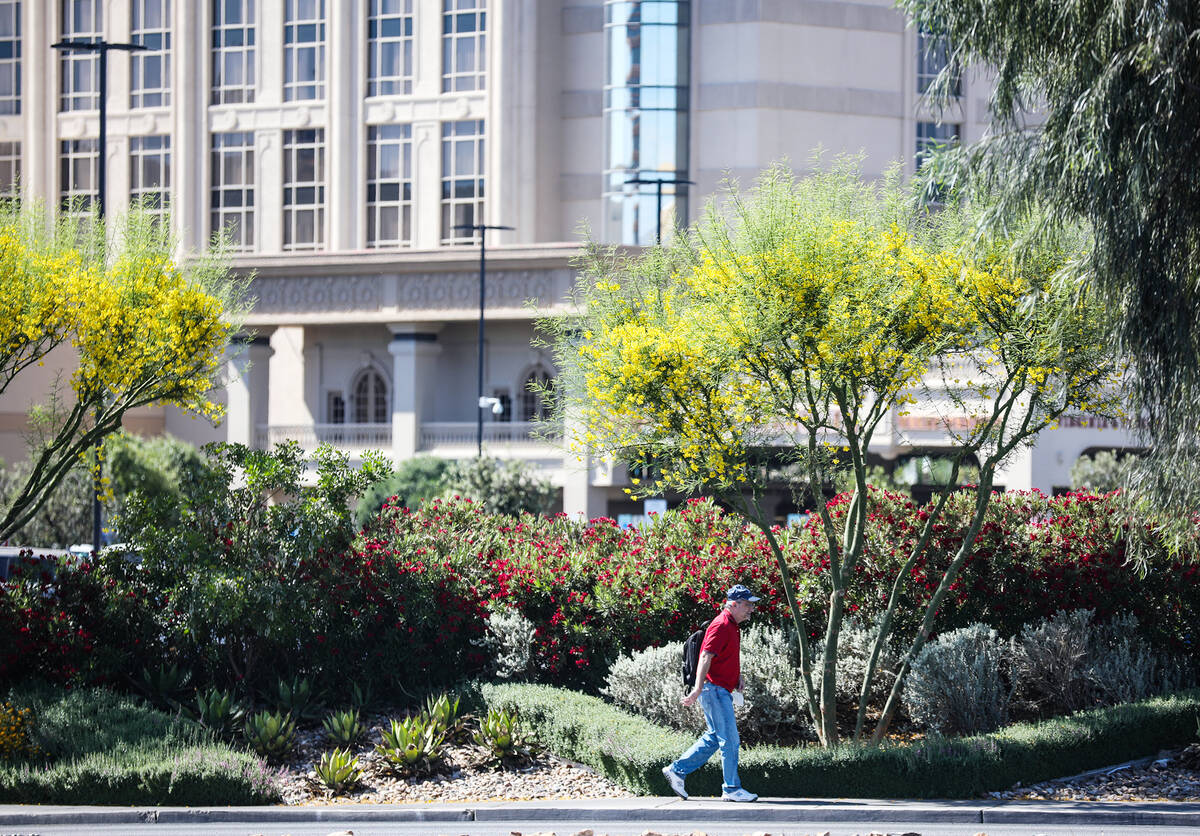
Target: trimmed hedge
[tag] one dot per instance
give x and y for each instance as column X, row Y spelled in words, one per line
column 109, row 749
column 633, row 751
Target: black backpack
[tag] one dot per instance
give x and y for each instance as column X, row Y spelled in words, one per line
column 691, row 657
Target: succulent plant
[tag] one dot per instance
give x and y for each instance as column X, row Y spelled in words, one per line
column 443, row 712
column 272, row 735
column 411, row 744
column 360, row 696
column 219, row 711
column 339, row 770
column 297, row 698
column 164, row 684
column 498, row 733
column 343, row 727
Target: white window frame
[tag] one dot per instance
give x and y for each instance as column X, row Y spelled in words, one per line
column 460, row 136
column 456, row 14
column 402, row 203
column 224, row 146
column 10, row 63
column 295, row 209
column 159, row 41
column 141, row 150
column 389, row 14
column 243, row 55
column 75, row 66
column 295, row 51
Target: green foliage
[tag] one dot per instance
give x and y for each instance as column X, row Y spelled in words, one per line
column 344, row 727
column 17, row 729
column 102, row 748
column 220, row 712
column 503, row 486
column 632, row 751
column 64, row 517
column 360, row 696
column 442, row 712
column 498, row 732
column 415, row 481
column 411, row 745
column 272, row 735
column 1103, row 472
column 165, row 684
column 339, row 770
column 297, row 698
column 957, row 685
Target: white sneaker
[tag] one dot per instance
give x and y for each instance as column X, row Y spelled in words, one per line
column 738, row 795
column 676, row 781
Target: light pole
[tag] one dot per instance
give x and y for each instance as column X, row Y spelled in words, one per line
column 101, row 47
column 658, row 184
column 483, row 402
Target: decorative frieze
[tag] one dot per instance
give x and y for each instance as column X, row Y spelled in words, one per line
column 317, row 294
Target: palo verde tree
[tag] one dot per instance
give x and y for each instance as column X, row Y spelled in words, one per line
column 134, row 327
column 803, row 318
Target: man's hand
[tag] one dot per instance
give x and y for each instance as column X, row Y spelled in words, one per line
column 691, row 698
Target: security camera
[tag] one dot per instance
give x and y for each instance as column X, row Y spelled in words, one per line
column 494, row 403
column 497, row 408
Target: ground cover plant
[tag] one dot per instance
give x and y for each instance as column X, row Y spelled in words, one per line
column 97, row 747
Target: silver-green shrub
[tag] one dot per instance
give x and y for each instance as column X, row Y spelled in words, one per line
column 957, row 685
column 508, row 641
column 1051, row 660
column 854, row 651
column 647, row 682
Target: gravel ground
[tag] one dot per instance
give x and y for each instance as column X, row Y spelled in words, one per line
column 1173, row 776
column 465, row 774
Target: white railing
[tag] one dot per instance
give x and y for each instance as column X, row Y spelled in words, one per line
column 463, row 433
column 348, row 436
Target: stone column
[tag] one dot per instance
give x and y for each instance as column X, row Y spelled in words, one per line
column 413, row 351
column 248, row 389
column 584, row 477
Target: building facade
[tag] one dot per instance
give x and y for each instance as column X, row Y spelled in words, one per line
column 345, row 148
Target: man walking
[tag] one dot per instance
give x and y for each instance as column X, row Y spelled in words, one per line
column 718, row 687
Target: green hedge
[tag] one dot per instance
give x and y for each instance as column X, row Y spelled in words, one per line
column 108, row 749
column 633, row 751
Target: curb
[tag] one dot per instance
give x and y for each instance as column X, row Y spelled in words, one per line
column 799, row 811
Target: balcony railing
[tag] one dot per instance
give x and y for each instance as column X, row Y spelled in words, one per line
column 346, row 436
column 463, row 433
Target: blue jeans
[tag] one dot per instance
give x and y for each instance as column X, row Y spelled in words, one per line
column 721, row 732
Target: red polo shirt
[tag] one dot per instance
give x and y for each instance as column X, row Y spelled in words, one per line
column 724, row 640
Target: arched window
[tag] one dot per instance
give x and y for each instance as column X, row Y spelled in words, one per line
column 532, row 407
column 369, row 399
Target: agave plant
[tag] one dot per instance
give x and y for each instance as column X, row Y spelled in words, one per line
column 343, row 727
column 360, row 697
column 297, row 698
column 443, row 712
column 339, row 770
column 411, row 744
column 498, row 733
column 219, row 711
column 164, row 684
column 271, row 734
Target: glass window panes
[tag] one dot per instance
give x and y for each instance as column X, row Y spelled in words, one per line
column 303, row 190
column 78, row 81
column 931, row 135
column 933, row 56
column 389, row 186
column 231, row 206
column 233, row 51
column 150, row 173
column 369, row 399
column 10, row 57
column 390, row 45
column 10, row 170
column 304, row 50
column 77, row 181
column 646, row 118
column 464, row 45
column 462, row 179
column 150, row 72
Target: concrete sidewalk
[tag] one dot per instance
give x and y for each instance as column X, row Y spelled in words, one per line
column 611, row 810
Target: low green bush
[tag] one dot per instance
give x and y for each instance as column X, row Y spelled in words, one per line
column 632, row 751
column 102, row 748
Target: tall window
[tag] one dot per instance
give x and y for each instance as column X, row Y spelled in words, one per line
column 389, row 185
column 931, row 135
column 390, row 37
column 150, row 173
column 646, row 117
column 933, row 56
column 10, row 170
column 150, row 83
column 532, row 401
column 304, row 50
column 303, row 190
column 77, row 177
column 79, row 81
column 232, row 202
column 369, row 399
column 462, row 179
column 233, row 51
column 464, row 44
column 10, row 57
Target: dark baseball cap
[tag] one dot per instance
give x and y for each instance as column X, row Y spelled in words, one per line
column 740, row 593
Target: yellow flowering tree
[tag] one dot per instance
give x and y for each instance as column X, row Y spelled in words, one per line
column 140, row 328
column 796, row 322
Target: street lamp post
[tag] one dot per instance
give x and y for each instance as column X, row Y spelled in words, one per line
column 658, row 184
column 483, row 402
column 101, row 47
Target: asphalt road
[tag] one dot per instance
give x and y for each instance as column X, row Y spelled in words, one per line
column 563, row 828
